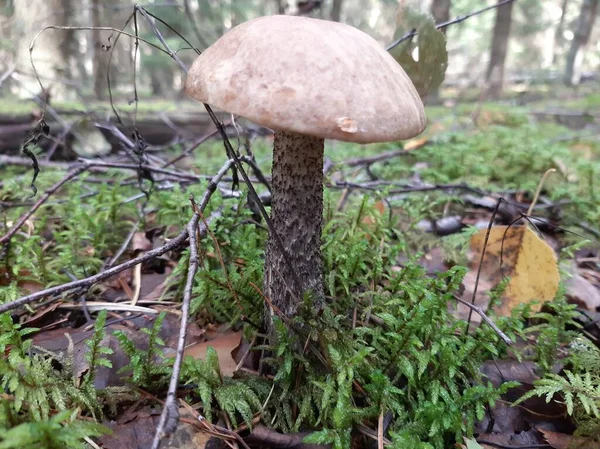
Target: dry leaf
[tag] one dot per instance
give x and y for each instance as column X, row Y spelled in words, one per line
column 560, row 440
column 413, row 144
column 25, row 280
column 581, row 291
column 518, row 253
column 583, row 150
column 223, row 344
column 370, row 220
column 140, row 242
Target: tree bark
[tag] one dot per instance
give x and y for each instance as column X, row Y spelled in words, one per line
column 100, row 57
column 297, row 216
column 440, row 10
column 585, row 25
column 558, row 32
column 281, row 6
column 51, row 62
column 336, row 10
column 495, row 71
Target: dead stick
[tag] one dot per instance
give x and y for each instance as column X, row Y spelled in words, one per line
column 487, row 319
column 169, row 417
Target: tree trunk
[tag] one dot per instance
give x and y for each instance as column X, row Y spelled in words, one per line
column 118, row 59
column 585, row 24
column 51, row 62
column 440, row 10
column 336, row 10
column 558, row 33
column 495, row 71
column 297, row 216
column 156, row 83
column 100, row 57
column 281, row 6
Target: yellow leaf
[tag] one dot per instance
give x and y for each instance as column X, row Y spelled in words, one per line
column 519, row 254
column 413, row 144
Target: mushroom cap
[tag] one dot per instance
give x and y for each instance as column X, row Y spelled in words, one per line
column 309, row 76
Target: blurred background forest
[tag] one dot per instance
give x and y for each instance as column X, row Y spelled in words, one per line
column 528, row 42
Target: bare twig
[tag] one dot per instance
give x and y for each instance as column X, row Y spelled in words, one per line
column 199, row 141
column 539, row 189
column 257, row 171
column 6, row 74
column 169, row 417
column 480, row 267
column 505, row 338
column 123, row 247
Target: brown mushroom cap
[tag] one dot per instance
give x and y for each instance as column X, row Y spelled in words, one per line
column 308, row 76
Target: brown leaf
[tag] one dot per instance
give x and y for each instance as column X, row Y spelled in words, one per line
column 581, row 291
column 116, row 280
column 508, row 419
column 24, row 279
column 153, row 285
column 137, row 432
column 223, row 344
column 140, row 242
column 560, row 440
column 56, row 342
column 530, row 437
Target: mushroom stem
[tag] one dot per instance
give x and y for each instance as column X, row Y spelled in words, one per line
column 297, row 216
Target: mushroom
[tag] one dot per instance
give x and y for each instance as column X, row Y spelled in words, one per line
column 308, row 80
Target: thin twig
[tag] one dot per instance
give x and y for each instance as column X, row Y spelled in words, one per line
column 257, row 171
column 480, row 267
column 169, row 417
column 505, row 338
column 539, row 189
column 192, row 19
column 199, row 141
column 123, row 247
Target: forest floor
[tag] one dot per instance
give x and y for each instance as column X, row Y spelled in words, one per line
column 424, row 343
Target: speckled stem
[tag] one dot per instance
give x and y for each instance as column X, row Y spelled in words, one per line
column 297, row 215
